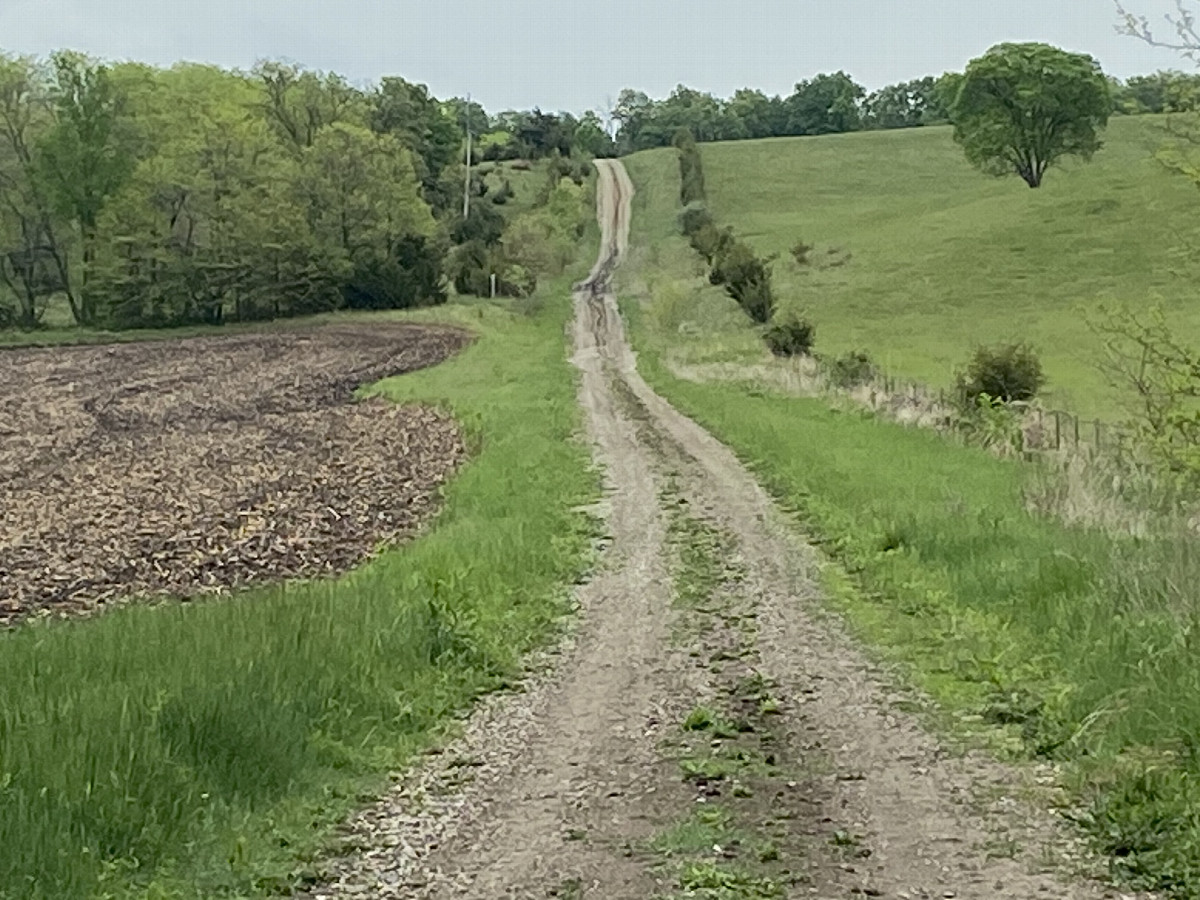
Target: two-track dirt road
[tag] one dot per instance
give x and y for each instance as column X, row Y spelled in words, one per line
column 706, row 602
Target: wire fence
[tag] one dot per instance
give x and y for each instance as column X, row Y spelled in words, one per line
column 1041, row 428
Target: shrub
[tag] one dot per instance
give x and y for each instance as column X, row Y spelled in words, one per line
column 793, row 335
column 691, row 168
column 852, row 369
column 1006, row 373
column 746, row 277
column 694, row 217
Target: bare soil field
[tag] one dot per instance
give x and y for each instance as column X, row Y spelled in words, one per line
column 182, row 467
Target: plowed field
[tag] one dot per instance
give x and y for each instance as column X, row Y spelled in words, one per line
column 183, row 467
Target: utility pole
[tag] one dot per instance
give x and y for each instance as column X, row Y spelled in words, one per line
column 467, row 185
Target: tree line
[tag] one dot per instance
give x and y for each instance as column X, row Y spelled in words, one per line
column 148, row 197
column 834, row 103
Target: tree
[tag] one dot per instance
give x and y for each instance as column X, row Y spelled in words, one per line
column 428, row 128
column 759, row 116
column 591, row 138
column 1024, row 107
column 828, row 104
column 300, row 103
column 1184, row 23
column 33, row 254
column 906, row 105
column 83, row 158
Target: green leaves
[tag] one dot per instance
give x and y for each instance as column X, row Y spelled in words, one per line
column 1023, row 107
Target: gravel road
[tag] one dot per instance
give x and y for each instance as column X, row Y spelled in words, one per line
column 561, row 789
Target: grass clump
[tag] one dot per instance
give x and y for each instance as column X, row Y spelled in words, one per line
column 207, row 750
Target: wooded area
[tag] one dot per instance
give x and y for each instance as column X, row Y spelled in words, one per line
column 146, row 197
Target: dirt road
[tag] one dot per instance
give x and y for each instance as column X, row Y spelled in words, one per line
column 707, row 732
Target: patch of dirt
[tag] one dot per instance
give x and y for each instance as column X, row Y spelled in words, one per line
column 181, row 467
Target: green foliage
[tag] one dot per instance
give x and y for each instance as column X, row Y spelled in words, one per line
column 907, row 105
column 828, row 104
column 851, row 369
column 691, row 169
column 747, row 278
column 1005, row 373
column 411, row 276
column 207, row 749
column 1023, row 107
column 82, row 158
column 791, row 335
column 418, row 121
column 300, row 103
column 1146, row 358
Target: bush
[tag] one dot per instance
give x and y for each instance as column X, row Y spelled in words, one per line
column 852, row 369
column 746, row 277
column 691, row 169
column 791, row 336
column 695, row 216
column 412, row 276
column 1007, row 373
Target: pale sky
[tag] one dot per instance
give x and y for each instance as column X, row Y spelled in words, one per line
column 574, row 55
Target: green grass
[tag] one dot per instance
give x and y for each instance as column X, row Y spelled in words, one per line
column 943, row 258
column 207, row 750
column 1038, row 638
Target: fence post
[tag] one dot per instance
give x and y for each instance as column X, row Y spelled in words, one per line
column 1099, row 436
column 1057, row 430
column 1076, row 421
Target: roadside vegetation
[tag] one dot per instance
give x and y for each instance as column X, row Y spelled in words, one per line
column 207, row 750
column 1043, row 640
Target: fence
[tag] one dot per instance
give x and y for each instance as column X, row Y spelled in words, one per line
column 1042, row 429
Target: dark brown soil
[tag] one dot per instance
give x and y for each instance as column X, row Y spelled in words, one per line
column 183, row 467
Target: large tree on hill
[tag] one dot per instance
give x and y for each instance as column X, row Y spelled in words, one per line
column 1023, row 107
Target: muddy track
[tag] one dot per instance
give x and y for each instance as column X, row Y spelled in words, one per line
column 560, row 791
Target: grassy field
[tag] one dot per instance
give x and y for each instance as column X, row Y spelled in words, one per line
column 206, row 750
column 1037, row 638
column 933, row 257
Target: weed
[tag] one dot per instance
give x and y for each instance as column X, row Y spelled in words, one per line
column 713, row 881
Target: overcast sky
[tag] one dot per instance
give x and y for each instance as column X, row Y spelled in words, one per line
column 574, row 55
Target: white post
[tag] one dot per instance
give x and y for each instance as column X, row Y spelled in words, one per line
column 493, row 285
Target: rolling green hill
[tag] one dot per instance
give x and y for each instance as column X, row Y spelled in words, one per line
column 934, row 258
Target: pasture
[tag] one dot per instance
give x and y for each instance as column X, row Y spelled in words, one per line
column 917, row 257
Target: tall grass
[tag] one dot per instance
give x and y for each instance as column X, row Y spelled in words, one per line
column 205, row 750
